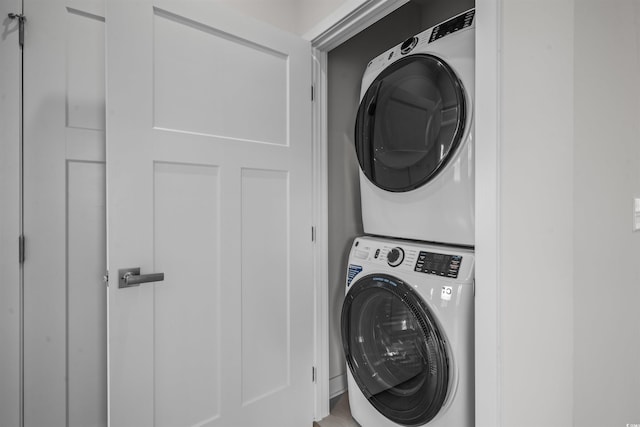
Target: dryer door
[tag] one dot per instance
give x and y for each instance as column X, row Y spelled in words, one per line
column 395, row 350
column 410, row 122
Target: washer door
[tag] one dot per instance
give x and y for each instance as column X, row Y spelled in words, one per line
column 394, row 349
column 410, row 122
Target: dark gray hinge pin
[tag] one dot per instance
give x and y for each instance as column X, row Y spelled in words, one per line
column 21, row 20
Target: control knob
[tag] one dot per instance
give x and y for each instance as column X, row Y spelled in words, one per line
column 395, row 257
column 408, row 45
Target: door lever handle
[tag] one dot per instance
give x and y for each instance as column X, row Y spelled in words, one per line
column 128, row 277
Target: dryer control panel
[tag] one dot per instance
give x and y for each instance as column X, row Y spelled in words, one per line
column 457, row 23
column 420, row 43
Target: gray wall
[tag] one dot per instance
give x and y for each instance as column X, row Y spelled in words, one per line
column 606, row 177
column 346, row 65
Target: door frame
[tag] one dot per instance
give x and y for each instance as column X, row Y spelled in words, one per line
column 10, row 217
column 350, row 19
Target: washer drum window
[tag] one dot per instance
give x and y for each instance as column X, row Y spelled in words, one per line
column 394, row 349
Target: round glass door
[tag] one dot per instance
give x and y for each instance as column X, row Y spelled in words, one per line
column 409, row 123
column 394, row 350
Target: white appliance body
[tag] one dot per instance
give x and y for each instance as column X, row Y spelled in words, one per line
column 408, row 125
column 407, row 333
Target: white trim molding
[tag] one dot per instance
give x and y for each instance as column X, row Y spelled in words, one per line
column 321, row 221
column 488, row 255
column 353, row 17
column 10, row 214
column 337, row 385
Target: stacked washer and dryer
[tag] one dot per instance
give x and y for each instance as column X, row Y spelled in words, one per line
column 407, row 318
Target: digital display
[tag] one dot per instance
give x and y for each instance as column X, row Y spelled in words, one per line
column 452, row 25
column 438, row 264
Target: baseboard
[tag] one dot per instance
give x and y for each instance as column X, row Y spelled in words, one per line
column 337, row 385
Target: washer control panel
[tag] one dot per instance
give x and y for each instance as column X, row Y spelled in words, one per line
column 416, row 257
column 438, row 264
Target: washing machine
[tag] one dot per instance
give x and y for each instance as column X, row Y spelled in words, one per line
column 407, row 334
column 414, row 136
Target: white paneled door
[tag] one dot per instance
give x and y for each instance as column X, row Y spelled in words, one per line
column 208, row 182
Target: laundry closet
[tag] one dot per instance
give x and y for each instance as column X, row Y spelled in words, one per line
column 346, row 65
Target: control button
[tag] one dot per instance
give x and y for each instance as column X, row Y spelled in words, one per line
column 377, row 253
column 395, row 257
column 361, row 254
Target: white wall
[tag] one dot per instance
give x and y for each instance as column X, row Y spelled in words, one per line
column 570, row 168
column 279, row 13
column 606, row 178
column 294, row 16
column 311, row 12
column 9, row 217
column 536, row 213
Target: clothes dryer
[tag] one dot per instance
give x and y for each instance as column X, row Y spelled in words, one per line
column 414, row 136
column 407, row 334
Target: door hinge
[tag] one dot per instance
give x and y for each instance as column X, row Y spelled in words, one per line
column 313, row 374
column 21, row 249
column 105, row 278
column 21, row 20
column 313, row 234
column 312, row 93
